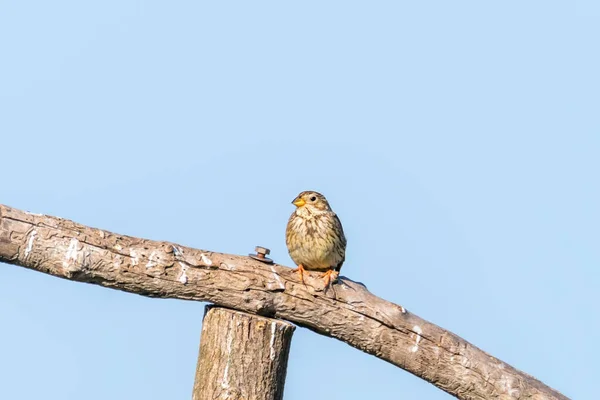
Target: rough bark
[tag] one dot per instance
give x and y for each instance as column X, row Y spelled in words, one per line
column 161, row 269
column 242, row 356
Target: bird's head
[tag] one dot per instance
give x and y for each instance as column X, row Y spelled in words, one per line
column 311, row 200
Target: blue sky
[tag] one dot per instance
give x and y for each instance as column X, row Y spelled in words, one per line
column 458, row 142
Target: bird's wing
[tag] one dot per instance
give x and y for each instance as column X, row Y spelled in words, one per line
column 338, row 228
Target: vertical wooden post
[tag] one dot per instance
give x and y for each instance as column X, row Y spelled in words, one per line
column 242, row 356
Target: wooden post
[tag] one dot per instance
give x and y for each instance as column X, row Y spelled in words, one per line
column 242, row 356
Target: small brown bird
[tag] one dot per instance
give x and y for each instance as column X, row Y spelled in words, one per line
column 315, row 238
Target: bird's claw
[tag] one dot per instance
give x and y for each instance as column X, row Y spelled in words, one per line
column 329, row 280
column 300, row 271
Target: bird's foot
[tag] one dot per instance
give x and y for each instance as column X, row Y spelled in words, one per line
column 330, row 278
column 300, row 270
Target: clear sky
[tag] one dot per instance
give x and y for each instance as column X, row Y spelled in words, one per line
column 457, row 140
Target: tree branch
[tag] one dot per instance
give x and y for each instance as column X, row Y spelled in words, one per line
column 352, row 314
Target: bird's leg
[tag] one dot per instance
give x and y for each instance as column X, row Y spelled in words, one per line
column 329, row 280
column 300, row 270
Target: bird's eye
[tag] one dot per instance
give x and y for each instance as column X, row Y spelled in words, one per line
column 313, row 198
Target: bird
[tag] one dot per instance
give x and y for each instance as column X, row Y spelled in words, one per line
column 315, row 238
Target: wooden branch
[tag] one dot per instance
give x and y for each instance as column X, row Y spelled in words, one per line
column 353, row 315
column 242, row 356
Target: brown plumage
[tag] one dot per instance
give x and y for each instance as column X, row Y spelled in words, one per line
column 314, row 236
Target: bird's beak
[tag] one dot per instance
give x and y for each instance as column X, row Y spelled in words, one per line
column 299, row 202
